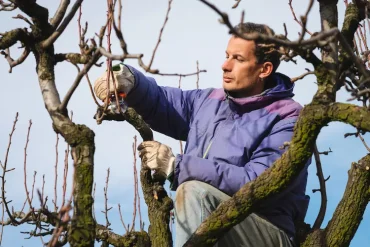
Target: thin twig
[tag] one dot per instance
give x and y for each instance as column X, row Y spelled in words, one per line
column 135, row 185
column 42, row 189
column 118, row 29
column 321, row 214
column 183, row 75
column 236, row 4
column 295, row 17
column 363, row 141
column 160, row 34
column 56, row 174
column 93, row 207
column 65, row 173
column 92, row 90
column 110, row 18
column 11, row 61
column 105, row 53
column 294, row 79
column 25, row 166
column 59, row 14
column 363, row 38
column 54, row 36
column 197, row 82
column 77, row 81
column 4, row 166
column 120, row 215
column 316, row 40
column 33, row 184
column 107, row 223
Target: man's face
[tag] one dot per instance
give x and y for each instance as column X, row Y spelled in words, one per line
column 241, row 71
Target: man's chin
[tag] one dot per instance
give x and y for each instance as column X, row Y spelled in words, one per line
column 228, row 87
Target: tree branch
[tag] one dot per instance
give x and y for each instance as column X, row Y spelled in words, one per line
column 349, row 212
column 321, row 215
column 160, row 34
column 11, row 61
column 267, row 38
column 55, row 35
column 59, row 14
column 38, row 14
column 74, row 58
column 279, row 176
column 77, row 81
column 9, row 38
column 132, row 239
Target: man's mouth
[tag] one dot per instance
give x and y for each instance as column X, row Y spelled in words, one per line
column 227, row 79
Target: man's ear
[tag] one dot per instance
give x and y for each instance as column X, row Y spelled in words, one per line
column 266, row 70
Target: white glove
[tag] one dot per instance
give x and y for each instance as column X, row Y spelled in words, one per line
column 123, row 78
column 157, row 156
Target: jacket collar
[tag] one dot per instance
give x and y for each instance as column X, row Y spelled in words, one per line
column 283, row 89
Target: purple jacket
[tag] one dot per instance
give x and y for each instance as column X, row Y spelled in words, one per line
column 229, row 141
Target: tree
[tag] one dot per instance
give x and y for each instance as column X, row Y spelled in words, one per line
column 341, row 65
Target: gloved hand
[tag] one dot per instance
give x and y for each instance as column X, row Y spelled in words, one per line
column 124, row 79
column 157, row 156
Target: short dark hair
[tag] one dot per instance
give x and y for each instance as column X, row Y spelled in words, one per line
column 263, row 54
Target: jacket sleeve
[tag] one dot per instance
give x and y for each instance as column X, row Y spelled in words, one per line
column 228, row 177
column 167, row 110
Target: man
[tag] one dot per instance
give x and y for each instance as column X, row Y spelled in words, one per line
column 232, row 135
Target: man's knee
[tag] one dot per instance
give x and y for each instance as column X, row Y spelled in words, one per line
column 186, row 192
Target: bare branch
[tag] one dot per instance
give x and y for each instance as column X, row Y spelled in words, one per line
column 74, row 58
column 120, row 215
column 59, row 14
column 21, row 17
column 302, row 23
column 7, row 7
column 133, row 238
column 9, row 38
column 136, row 191
column 315, row 41
column 12, row 62
column 160, row 34
column 236, row 4
column 294, row 79
column 54, row 36
column 4, row 166
column 363, row 141
column 107, row 223
column 105, row 53
column 77, row 81
column 65, row 174
column 198, row 71
column 360, row 66
column 91, row 90
column 56, row 174
column 321, row 215
column 118, row 29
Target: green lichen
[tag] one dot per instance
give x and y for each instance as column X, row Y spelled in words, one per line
column 8, row 39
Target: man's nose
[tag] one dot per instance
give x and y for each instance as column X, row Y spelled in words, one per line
column 227, row 65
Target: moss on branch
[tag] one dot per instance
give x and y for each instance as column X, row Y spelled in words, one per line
column 277, row 178
column 74, row 58
column 349, row 212
column 10, row 38
column 131, row 239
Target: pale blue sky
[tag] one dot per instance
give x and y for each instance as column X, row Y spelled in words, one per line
column 192, row 33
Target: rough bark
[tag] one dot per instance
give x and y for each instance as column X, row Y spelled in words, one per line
column 156, row 198
column 81, row 139
column 348, row 214
column 131, row 239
